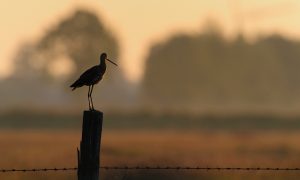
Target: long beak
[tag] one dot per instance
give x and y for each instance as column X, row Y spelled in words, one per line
column 112, row 62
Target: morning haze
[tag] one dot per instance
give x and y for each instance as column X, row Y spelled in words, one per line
column 198, row 83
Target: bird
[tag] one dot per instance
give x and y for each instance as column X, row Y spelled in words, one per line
column 91, row 77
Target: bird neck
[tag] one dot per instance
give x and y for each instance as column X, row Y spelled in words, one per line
column 102, row 62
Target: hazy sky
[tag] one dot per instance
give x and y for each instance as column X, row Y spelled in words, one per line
column 138, row 24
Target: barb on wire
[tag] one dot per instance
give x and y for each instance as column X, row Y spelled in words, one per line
column 37, row 169
column 157, row 168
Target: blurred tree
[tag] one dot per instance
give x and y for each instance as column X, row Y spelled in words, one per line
column 80, row 38
column 24, row 68
column 48, row 66
column 205, row 70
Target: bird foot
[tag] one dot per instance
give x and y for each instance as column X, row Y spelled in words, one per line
column 91, row 109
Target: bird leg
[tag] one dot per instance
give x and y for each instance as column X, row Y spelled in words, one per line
column 91, row 97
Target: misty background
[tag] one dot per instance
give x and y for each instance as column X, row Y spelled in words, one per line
column 187, row 72
column 199, row 83
column 200, row 78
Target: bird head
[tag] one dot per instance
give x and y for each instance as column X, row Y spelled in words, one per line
column 103, row 57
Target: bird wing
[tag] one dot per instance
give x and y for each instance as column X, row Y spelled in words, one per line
column 86, row 78
column 90, row 73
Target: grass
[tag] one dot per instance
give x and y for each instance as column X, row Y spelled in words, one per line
column 57, row 148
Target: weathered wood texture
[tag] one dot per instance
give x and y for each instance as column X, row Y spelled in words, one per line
column 88, row 155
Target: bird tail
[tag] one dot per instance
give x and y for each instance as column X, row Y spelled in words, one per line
column 76, row 84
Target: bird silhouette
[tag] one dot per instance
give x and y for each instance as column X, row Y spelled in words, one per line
column 91, row 77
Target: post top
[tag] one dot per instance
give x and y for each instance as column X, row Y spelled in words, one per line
column 92, row 112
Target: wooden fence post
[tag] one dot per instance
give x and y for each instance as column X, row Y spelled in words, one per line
column 88, row 155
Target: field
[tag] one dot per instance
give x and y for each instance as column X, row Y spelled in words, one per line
column 57, row 148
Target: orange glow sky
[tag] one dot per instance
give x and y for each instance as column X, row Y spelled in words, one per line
column 137, row 24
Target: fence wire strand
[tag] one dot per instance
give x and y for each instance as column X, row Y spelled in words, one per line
column 156, row 168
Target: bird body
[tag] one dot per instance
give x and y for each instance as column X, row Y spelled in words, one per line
column 91, row 77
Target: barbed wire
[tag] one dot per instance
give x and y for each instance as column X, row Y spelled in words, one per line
column 157, row 168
